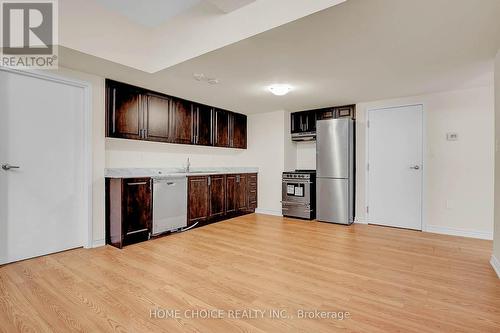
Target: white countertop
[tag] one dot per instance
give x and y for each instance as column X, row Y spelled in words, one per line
column 173, row 172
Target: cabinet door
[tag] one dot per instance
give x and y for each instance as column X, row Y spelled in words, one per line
column 252, row 192
column 198, row 199
column 136, row 208
column 221, row 131
column 157, row 118
column 241, row 193
column 203, row 129
column 325, row 114
column 238, row 131
column 231, row 194
column 181, row 121
column 345, row 111
column 217, row 185
column 124, row 111
column 296, row 126
column 310, row 121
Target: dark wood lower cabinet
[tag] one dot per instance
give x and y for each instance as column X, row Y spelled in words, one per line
column 252, row 192
column 228, row 196
column 198, row 199
column 217, row 188
column 241, row 192
column 129, row 210
column 129, row 203
column 231, row 196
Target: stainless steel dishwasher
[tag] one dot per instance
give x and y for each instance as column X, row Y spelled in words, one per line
column 169, row 203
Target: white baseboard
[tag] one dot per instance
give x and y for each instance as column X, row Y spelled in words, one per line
column 458, row 232
column 98, row 243
column 495, row 263
column 268, row 212
column 360, row 220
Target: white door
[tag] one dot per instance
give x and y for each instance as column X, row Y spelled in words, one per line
column 395, row 167
column 43, row 203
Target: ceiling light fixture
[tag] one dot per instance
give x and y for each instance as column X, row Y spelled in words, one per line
column 202, row 78
column 199, row 76
column 280, row 89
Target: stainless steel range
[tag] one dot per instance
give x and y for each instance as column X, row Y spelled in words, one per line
column 299, row 194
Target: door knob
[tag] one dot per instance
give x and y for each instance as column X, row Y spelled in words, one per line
column 415, row 167
column 7, row 166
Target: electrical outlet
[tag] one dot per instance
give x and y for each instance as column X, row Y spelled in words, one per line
column 452, row 136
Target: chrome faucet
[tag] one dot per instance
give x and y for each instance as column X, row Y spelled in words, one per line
column 188, row 165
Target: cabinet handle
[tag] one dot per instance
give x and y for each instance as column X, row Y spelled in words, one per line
column 216, row 134
column 135, row 184
column 136, row 231
column 114, row 110
column 197, row 125
column 209, row 180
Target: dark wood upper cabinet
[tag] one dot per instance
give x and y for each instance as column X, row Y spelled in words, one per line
column 217, row 188
column 203, row 125
column 125, row 111
column 198, row 199
column 157, row 118
column 140, row 114
column 345, row 111
column 238, row 131
column 328, row 113
column 304, row 121
column 181, row 121
column 221, row 130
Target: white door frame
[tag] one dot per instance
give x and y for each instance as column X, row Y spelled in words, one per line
column 87, row 132
column 423, row 168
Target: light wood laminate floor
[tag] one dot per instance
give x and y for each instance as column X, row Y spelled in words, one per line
column 389, row 280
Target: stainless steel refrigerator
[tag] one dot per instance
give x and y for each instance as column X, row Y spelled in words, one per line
column 335, row 170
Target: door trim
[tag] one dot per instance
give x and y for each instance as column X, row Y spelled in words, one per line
column 88, row 241
column 423, row 221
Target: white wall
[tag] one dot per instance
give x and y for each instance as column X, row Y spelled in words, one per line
column 496, row 241
column 460, row 171
column 98, row 156
column 306, row 155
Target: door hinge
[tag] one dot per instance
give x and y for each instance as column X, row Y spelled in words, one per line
column 367, row 209
column 368, row 124
column 368, row 167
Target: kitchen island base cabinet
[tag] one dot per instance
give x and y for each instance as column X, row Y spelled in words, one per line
column 218, row 197
column 129, row 211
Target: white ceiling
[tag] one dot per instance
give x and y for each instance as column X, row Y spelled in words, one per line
column 154, row 35
column 357, row 51
column 149, row 13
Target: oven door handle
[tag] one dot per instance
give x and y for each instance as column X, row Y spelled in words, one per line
column 296, row 181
